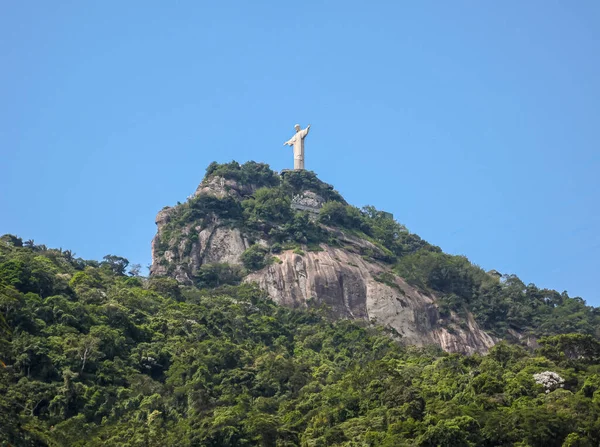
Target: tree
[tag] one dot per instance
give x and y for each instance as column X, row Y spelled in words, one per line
column 86, row 349
column 254, row 258
column 12, row 240
column 116, row 264
column 135, row 269
column 267, row 205
column 336, row 213
column 215, row 275
column 571, row 349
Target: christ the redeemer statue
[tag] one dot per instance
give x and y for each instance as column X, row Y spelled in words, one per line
column 298, row 142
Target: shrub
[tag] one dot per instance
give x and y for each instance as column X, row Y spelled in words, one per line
column 165, row 286
column 12, row 240
column 200, row 206
column 269, row 205
column 300, row 229
column 254, row 258
column 250, row 173
column 338, row 214
column 298, row 181
column 218, row 274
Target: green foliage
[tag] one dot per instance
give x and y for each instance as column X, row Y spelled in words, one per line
column 300, row 230
column 266, row 213
column 338, row 214
column 268, row 205
column 199, row 210
column 249, row 173
column 459, row 431
column 571, row 349
column 378, row 227
column 207, row 205
column 117, row 264
column 391, row 234
column 441, row 272
column 34, row 274
column 94, row 357
column 299, row 181
column 216, row 275
column 165, row 286
column 86, row 280
column 255, row 257
column 12, row 240
column 101, row 359
column 499, row 306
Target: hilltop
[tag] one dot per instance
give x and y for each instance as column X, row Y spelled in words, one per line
column 299, row 239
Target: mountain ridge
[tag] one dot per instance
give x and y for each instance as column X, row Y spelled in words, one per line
column 246, row 210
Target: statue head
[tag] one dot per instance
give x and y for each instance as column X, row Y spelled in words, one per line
column 297, row 127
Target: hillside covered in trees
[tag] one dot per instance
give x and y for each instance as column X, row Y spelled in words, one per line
column 92, row 353
column 256, row 203
column 92, row 356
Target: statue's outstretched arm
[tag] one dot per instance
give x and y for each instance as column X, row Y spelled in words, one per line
column 289, row 142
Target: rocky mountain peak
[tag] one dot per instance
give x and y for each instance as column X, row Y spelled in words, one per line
column 293, row 236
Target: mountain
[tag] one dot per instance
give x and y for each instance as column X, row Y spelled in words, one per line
column 200, row 354
column 304, row 245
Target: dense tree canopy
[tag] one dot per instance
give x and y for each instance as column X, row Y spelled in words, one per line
column 93, row 357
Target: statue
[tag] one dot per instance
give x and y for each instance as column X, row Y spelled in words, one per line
column 298, row 142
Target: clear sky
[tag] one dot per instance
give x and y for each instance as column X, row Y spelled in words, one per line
column 475, row 122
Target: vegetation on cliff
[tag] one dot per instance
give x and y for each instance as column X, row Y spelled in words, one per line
column 91, row 356
column 505, row 307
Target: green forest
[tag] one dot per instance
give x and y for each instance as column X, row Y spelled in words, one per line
column 94, row 354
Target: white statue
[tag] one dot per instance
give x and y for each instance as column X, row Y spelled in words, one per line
column 298, row 142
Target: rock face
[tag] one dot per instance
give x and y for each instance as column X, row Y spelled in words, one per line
column 221, row 187
column 214, row 242
column 357, row 289
column 354, row 286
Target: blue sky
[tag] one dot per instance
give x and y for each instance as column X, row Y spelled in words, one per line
column 475, row 123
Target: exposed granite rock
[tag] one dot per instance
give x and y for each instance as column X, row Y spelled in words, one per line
column 347, row 283
column 164, row 216
column 221, row 187
column 223, row 245
column 526, row 339
column 467, row 338
column 215, row 244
